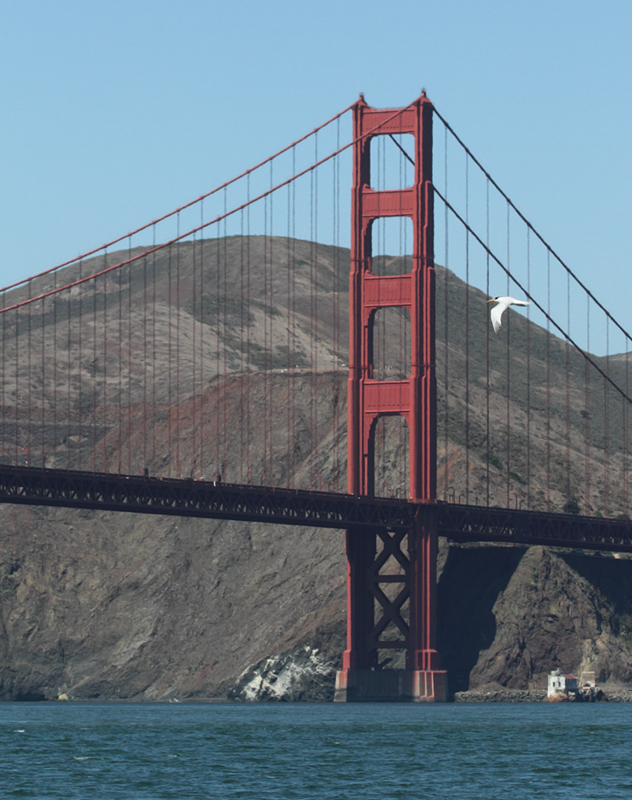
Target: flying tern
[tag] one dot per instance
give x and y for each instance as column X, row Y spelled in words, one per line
column 499, row 310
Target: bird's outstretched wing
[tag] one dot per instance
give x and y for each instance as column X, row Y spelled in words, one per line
column 496, row 316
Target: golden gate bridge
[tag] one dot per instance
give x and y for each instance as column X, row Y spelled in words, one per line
column 256, row 355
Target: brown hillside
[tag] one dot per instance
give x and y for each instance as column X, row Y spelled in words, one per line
column 104, row 605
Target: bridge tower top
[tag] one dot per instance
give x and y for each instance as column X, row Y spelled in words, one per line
column 414, row 397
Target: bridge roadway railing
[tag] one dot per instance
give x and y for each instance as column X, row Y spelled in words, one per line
column 196, row 498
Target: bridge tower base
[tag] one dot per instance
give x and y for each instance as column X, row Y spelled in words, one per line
column 391, row 686
column 391, row 606
column 391, row 578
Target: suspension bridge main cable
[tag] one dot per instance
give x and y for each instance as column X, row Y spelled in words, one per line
column 186, row 205
column 200, row 227
column 74, row 453
column 586, row 356
column 528, row 223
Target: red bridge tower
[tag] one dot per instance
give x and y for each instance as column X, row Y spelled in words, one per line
column 411, row 610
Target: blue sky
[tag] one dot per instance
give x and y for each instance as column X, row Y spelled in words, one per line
column 115, row 113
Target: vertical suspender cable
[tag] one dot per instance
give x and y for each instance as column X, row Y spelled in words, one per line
column 626, row 440
column 528, row 371
column 244, row 377
column 49, row 355
column 446, row 327
column 487, row 428
column 192, row 422
column 315, row 329
column 293, row 378
column 144, row 404
column 568, row 394
column 508, row 425
column 336, row 312
column 4, row 384
column 54, row 409
column 80, row 371
column 94, row 371
column 271, row 362
column 5, row 456
column 118, row 276
column 43, row 433
column 312, row 322
column 29, row 379
column 340, row 460
column 169, row 364
column 548, row 381
column 177, row 311
column 218, row 327
column 69, row 361
column 29, row 416
column 43, row 437
column 130, row 362
column 224, row 383
column 467, row 330
column 104, row 437
column 288, row 340
column 204, row 324
column 154, row 374
column 266, row 341
column 587, row 502
column 248, row 369
column 606, row 428
column 18, row 436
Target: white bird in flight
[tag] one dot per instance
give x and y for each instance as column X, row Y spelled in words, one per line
column 498, row 310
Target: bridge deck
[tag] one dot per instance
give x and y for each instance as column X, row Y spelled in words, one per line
column 188, row 498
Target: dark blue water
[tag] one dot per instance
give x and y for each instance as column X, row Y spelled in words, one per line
column 67, row 750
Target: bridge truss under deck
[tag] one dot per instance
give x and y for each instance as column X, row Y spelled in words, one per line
column 187, row 498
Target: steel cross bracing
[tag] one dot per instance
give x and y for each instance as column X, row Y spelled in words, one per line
column 187, row 498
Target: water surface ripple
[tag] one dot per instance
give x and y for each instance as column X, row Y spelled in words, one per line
column 330, row 752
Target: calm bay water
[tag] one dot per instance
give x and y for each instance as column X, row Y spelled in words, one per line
column 329, row 752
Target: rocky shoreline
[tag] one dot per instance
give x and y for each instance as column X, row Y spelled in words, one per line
column 536, row 696
column 618, row 695
column 501, row 696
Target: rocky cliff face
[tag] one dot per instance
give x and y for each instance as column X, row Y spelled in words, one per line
column 507, row 617
column 101, row 605
column 151, row 607
column 154, row 608
column 510, row 615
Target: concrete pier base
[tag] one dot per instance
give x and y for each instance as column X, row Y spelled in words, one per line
column 391, row 686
